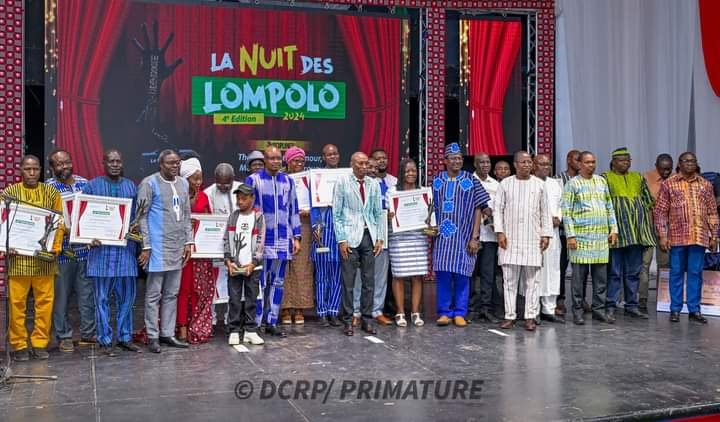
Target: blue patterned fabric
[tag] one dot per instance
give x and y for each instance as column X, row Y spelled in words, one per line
column 455, row 202
column 275, row 196
column 80, row 251
column 113, row 261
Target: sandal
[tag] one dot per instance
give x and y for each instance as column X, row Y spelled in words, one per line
column 416, row 320
column 400, row 320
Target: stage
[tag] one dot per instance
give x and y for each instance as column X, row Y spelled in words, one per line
column 631, row 370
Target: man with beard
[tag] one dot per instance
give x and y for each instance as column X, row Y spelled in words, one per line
column 632, row 203
column 167, row 246
column 459, row 203
column 113, row 269
column 686, row 219
column 72, row 264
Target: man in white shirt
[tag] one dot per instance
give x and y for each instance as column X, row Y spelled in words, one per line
column 550, row 271
column 484, row 294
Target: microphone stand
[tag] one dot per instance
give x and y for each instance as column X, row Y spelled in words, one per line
column 6, row 374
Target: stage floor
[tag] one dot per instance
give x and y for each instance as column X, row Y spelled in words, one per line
column 633, row 369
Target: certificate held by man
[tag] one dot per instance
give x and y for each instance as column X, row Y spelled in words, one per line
column 208, row 230
column 412, row 209
column 32, row 229
column 323, row 184
column 302, row 189
column 100, row 218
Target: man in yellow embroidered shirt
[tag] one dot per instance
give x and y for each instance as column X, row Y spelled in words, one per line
column 29, row 272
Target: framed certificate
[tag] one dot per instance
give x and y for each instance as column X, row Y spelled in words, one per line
column 302, row 189
column 322, row 182
column 29, row 228
column 68, row 200
column 208, row 231
column 103, row 218
column 411, row 208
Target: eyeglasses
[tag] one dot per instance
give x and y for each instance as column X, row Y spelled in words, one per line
column 689, row 161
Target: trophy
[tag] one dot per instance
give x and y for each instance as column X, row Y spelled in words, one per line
column 430, row 230
column 238, row 243
column 318, row 231
column 134, row 229
column 51, row 224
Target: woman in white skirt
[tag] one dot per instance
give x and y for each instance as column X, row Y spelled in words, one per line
column 408, row 255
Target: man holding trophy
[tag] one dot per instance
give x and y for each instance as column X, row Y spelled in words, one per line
column 113, row 268
column 33, row 272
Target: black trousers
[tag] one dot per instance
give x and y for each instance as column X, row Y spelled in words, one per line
column 360, row 257
column 599, row 285
column 563, row 268
column 243, row 291
column 484, row 295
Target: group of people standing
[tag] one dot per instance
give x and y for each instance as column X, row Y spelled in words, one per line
column 281, row 261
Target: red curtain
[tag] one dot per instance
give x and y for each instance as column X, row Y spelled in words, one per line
column 377, row 72
column 81, row 68
column 493, row 47
column 710, row 32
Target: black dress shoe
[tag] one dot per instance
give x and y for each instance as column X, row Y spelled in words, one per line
column 173, row 342
column 129, row 347
column 275, row 331
column 348, row 330
column 578, row 318
column 108, row 351
column 334, row 321
column 610, row 314
column 635, row 313
column 324, row 322
column 154, row 346
column 674, row 316
column 600, row 316
column 489, row 317
column 367, row 326
column 697, row 317
column 552, row 318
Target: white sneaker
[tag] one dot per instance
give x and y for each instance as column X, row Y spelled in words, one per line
column 253, row 338
column 234, row 339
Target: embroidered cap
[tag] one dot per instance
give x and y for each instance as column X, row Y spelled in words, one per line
column 244, row 188
column 621, row 151
column 451, row 149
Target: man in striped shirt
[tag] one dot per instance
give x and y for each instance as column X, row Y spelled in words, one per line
column 113, row 268
column 29, row 272
column 590, row 227
column 524, row 227
column 459, row 201
column 686, row 220
column 275, row 196
column 72, row 262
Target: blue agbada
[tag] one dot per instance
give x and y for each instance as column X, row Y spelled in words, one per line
column 455, row 201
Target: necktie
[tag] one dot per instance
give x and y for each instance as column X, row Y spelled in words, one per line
column 362, row 190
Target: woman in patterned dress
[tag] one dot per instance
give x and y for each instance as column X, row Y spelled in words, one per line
column 197, row 284
column 408, row 256
column 298, row 294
